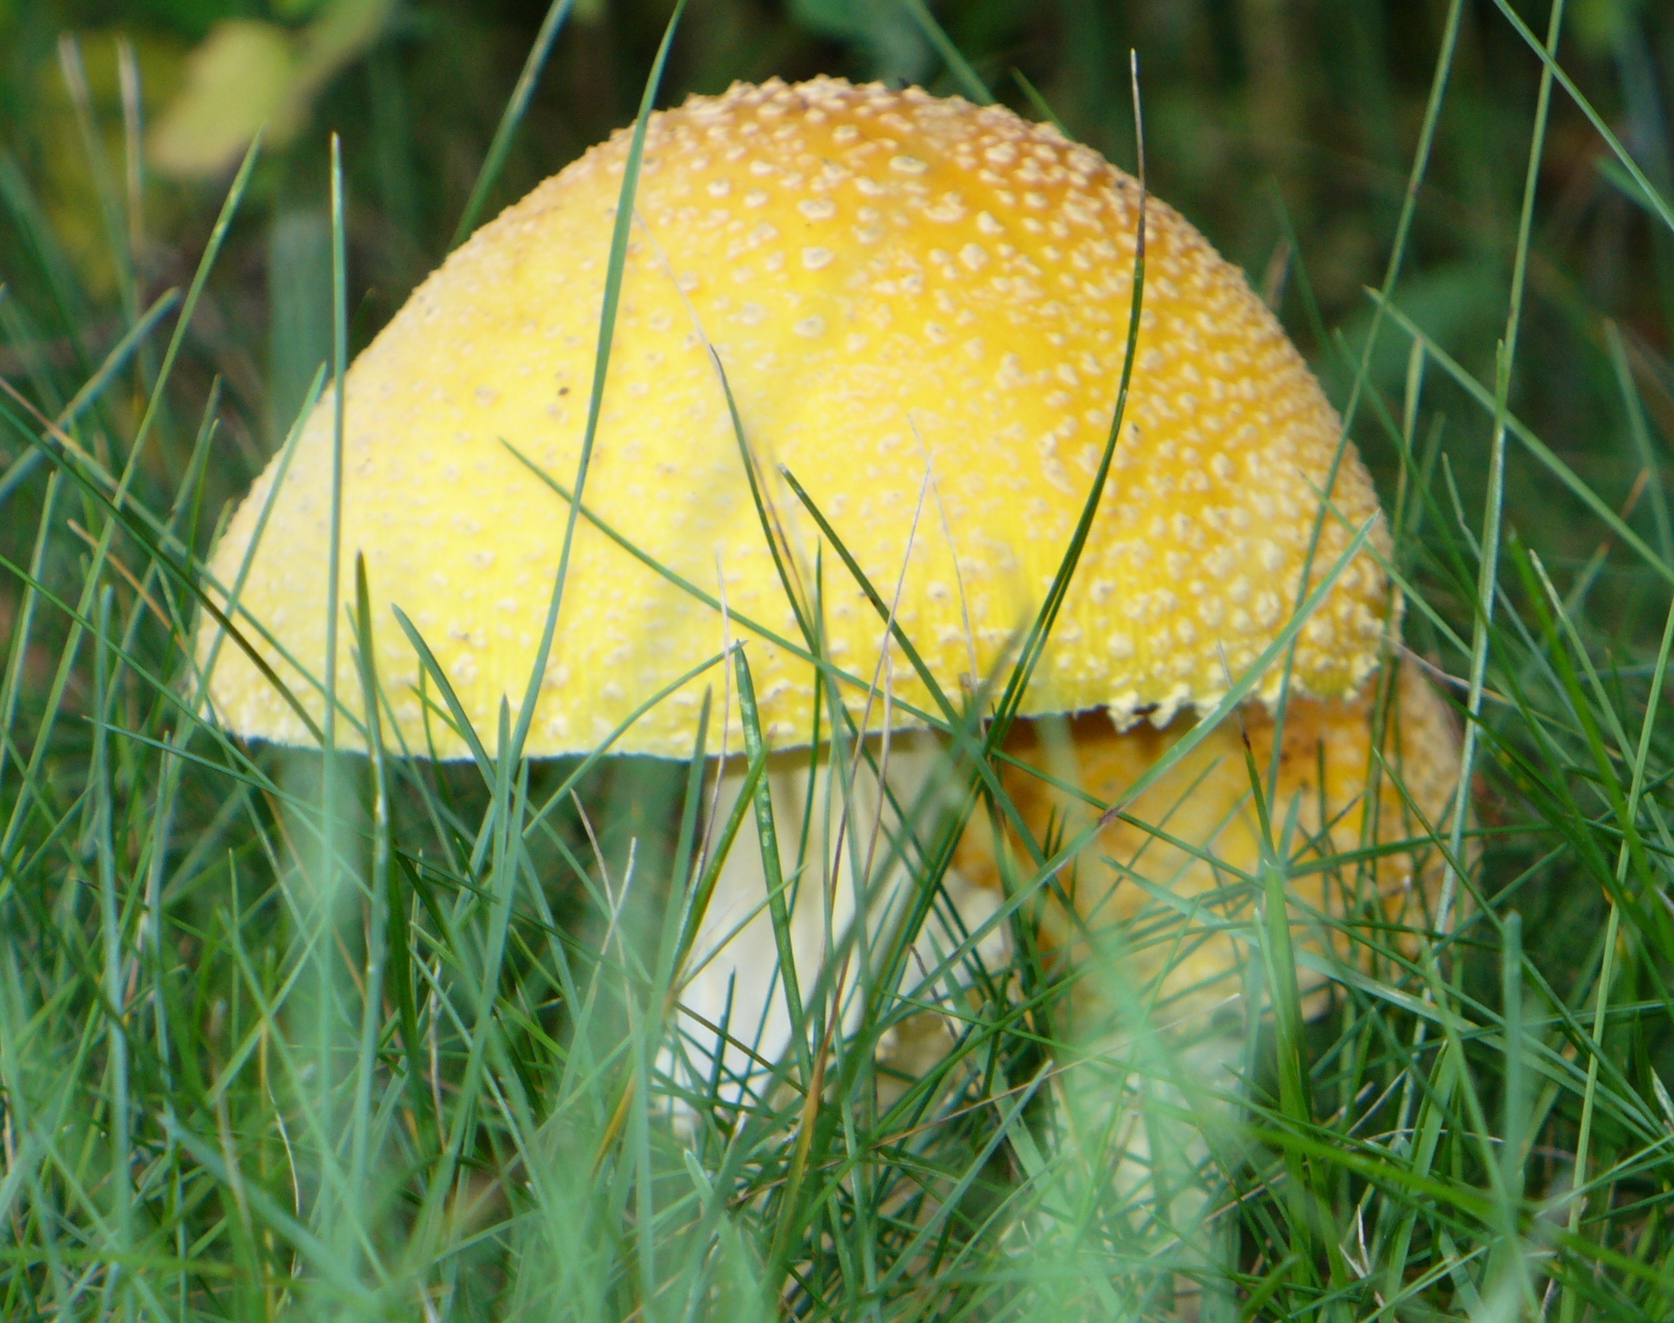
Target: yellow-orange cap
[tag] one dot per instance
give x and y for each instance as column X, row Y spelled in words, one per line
column 897, row 285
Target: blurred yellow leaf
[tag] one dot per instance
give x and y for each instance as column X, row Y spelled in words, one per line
column 238, row 81
column 249, row 75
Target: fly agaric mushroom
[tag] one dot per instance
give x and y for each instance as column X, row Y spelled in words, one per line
column 904, row 292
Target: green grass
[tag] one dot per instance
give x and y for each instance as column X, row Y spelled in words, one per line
column 375, row 1037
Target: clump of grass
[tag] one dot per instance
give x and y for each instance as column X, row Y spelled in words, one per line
column 370, row 1036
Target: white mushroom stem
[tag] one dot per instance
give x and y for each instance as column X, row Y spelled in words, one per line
column 839, row 840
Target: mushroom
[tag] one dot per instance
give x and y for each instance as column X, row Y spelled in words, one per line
column 920, row 307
